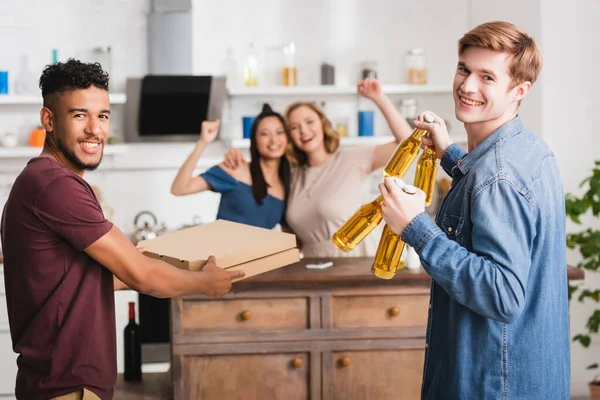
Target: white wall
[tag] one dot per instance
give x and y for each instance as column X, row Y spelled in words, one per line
column 35, row 27
column 570, row 107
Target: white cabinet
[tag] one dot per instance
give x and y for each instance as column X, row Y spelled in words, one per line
column 8, row 359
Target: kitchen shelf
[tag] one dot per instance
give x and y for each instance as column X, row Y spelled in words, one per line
column 333, row 90
column 24, row 151
column 115, row 98
column 345, row 141
column 120, row 98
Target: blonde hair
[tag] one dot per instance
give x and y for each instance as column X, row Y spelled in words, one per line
column 526, row 60
column 331, row 138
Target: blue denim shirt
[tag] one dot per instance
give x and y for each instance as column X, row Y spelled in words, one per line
column 498, row 323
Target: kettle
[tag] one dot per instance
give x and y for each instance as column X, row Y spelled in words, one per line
column 147, row 231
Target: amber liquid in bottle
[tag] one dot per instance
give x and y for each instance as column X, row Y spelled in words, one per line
column 387, row 259
column 364, row 220
column 425, row 174
column 405, row 154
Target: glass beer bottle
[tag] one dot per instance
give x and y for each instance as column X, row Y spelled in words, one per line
column 387, row 258
column 405, row 154
column 425, row 174
column 364, row 220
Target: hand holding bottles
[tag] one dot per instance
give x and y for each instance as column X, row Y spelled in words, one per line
column 438, row 139
column 400, row 206
column 209, row 131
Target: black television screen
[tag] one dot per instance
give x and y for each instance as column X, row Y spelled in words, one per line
column 173, row 105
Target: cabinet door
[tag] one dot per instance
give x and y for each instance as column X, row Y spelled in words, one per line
column 246, row 376
column 375, row 374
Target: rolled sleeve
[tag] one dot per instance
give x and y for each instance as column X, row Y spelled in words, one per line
column 451, row 156
column 419, row 231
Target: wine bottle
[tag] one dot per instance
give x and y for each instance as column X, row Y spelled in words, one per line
column 133, row 348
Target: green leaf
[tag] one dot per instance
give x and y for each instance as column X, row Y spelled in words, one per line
column 583, row 339
column 592, row 366
column 572, row 289
column 588, row 294
column 594, row 322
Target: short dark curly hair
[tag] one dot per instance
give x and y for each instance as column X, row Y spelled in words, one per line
column 72, row 75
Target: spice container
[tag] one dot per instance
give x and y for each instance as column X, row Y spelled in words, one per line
column 416, row 67
column 368, row 69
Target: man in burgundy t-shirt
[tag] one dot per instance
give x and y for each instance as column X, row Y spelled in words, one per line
column 63, row 259
column 61, row 312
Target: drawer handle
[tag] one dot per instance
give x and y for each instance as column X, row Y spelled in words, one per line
column 297, row 362
column 245, row 315
column 394, row 311
column 344, row 361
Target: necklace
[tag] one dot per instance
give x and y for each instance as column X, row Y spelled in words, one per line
column 307, row 189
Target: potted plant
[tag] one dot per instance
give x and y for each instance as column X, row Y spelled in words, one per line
column 587, row 242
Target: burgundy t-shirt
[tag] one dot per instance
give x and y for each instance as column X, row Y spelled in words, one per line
column 60, row 301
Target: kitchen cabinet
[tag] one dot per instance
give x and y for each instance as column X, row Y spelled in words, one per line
column 8, row 359
column 295, row 333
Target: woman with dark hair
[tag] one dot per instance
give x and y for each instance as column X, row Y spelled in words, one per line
column 255, row 194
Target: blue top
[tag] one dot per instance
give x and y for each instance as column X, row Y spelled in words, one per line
column 238, row 203
column 498, row 322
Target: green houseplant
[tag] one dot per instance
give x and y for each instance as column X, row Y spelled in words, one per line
column 587, row 242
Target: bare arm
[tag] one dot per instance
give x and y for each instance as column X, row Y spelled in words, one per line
column 119, row 285
column 155, row 277
column 401, row 129
column 184, row 182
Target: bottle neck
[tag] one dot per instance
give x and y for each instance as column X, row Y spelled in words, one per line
column 131, row 311
column 418, row 134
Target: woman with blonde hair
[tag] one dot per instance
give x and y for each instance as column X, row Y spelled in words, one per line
column 327, row 180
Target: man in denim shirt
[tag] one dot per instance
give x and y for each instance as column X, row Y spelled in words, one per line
column 498, row 321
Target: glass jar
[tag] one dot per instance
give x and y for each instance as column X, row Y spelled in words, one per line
column 408, row 109
column 416, row 67
column 368, row 69
column 290, row 72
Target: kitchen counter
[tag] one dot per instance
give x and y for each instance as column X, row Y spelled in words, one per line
column 344, row 272
column 349, row 272
column 336, row 333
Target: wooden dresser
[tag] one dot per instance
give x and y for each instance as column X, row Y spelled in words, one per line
column 298, row 333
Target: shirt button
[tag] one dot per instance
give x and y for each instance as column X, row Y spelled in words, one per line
column 449, row 229
column 430, row 306
column 426, row 345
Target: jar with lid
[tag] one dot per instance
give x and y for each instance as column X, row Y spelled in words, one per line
column 368, row 69
column 416, row 66
column 408, row 109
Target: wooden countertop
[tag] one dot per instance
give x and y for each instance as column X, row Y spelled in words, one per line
column 355, row 271
column 344, row 271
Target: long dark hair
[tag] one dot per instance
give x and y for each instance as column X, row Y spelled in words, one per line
column 259, row 184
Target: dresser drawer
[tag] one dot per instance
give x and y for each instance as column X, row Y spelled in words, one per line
column 380, row 311
column 244, row 315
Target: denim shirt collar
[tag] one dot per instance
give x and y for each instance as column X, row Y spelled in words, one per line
column 507, row 130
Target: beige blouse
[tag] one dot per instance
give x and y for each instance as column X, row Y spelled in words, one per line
column 322, row 198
